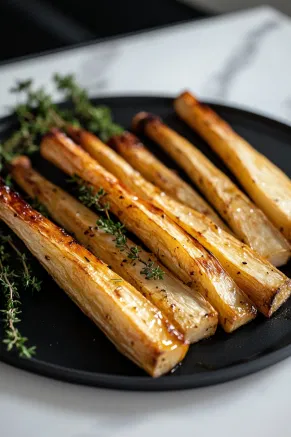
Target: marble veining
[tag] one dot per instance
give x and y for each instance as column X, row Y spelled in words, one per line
column 242, row 56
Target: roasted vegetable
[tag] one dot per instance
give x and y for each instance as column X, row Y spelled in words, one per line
column 247, row 221
column 129, row 320
column 192, row 316
column 266, row 184
column 267, row 287
column 157, row 173
column 175, row 248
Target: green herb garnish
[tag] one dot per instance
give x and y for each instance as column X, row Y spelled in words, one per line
column 11, row 281
column 89, row 197
column 36, row 115
column 96, row 118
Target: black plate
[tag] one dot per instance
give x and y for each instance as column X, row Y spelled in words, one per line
column 71, row 348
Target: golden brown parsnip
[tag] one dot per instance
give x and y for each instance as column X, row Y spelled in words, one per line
column 174, row 247
column 128, row 319
column 192, row 316
column 266, row 184
column 267, row 287
column 247, row 221
column 155, row 172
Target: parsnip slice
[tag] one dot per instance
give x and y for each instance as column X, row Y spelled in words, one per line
column 154, row 171
column 247, row 221
column 192, row 316
column 266, row 286
column 174, row 247
column 128, row 319
column 266, row 184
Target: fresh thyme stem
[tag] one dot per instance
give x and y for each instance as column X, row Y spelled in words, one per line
column 20, row 256
column 28, row 280
column 11, row 311
column 96, row 118
column 10, row 282
column 89, row 197
column 36, row 116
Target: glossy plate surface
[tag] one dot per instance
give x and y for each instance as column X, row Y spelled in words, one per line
column 71, row 348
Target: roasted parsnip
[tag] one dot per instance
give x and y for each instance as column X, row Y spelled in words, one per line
column 175, row 248
column 267, row 287
column 129, row 320
column 185, row 216
column 266, row 184
column 192, row 316
column 155, row 172
column 247, row 221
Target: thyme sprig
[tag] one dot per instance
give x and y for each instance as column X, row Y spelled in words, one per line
column 10, row 283
column 27, row 278
column 96, row 118
column 89, row 197
column 150, row 269
column 36, row 115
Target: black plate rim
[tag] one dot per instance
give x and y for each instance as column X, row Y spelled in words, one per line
column 146, row 383
column 164, row 383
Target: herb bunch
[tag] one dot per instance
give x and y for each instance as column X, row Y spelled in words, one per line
column 11, row 281
column 36, row 115
column 96, row 118
column 90, row 198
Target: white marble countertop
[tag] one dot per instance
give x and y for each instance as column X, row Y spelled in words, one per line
column 243, row 59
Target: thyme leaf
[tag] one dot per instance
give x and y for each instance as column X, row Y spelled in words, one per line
column 95, row 199
column 96, row 118
column 10, row 283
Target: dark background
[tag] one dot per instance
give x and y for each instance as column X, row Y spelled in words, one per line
column 32, row 26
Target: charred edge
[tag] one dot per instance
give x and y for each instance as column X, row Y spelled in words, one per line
column 27, row 176
column 22, row 208
column 117, row 292
column 20, row 162
column 153, row 209
column 124, row 141
column 211, row 117
column 29, row 215
column 142, row 119
column 191, row 101
column 207, row 261
column 21, row 170
column 75, row 133
column 210, row 264
column 187, row 98
column 59, row 137
column 52, row 133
